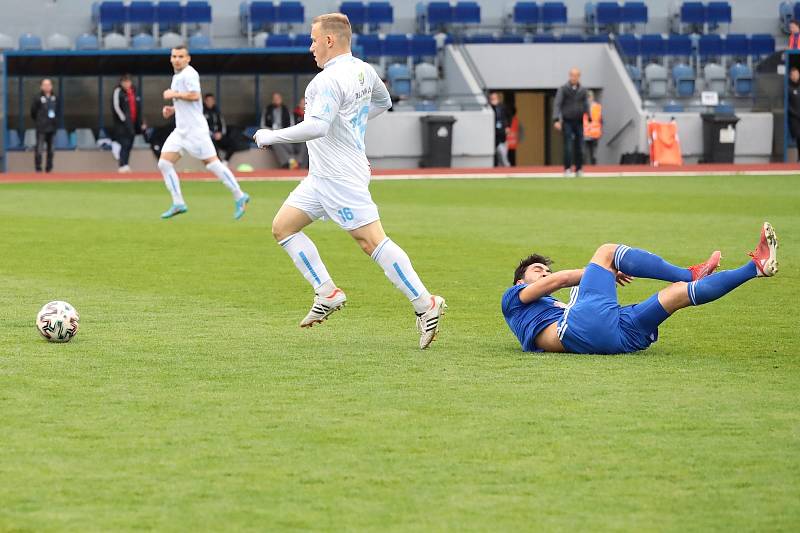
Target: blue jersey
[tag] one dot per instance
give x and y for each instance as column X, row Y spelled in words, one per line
column 526, row 321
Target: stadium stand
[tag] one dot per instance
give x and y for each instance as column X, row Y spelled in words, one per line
column 87, row 41
column 168, row 17
column 116, row 41
column 29, row 41
column 143, row 41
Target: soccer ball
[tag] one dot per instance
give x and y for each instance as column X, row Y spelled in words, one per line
column 57, row 321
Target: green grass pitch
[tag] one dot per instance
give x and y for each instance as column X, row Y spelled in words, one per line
column 190, row 400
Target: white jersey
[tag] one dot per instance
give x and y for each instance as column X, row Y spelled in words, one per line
column 188, row 114
column 341, row 95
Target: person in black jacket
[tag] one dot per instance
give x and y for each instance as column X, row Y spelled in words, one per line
column 127, row 113
column 794, row 107
column 217, row 127
column 570, row 105
column 44, row 113
column 277, row 116
column 501, row 123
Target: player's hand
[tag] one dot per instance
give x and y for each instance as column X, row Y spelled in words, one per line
column 557, row 125
column 169, row 94
column 167, row 111
column 263, row 138
column 623, row 279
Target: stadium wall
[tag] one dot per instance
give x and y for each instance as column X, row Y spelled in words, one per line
column 73, row 17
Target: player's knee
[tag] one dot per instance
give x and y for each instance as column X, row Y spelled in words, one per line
column 605, row 253
column 279, row 231
column 366, row 245
column 164, row 165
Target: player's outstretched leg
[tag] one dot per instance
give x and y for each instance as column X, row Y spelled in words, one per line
column 643, row 264
column 225, row 175
column 428, row 308
column 174, row 187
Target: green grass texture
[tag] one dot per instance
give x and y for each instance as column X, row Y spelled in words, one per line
column 190, row 399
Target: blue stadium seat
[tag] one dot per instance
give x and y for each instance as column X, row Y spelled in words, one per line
column 197, row 12
column 261, row 14
column 719, row 13
column 629, row 45
column 683, row 77
column 111, row 14
column 141, row 12
column 796, row 14
column 29, row 41
column 396, row 45
column 143, row 41
column 741, row 79
column 710, row 46
column 355, row 11
column 399, row 77
column 679, row 46
column 169, row 15
column 724, row 109
column 278, row 39
column 86, row 41
column 634, row 13
column 510, row 39
column 599, row 38
column 673, row 107
column 554, row 13
column 370, row 45
column 13, row 140
column 608, row 13
column 526, row 13
column 479, row 38
column 62, row 140
column 302, row 40
column 734, row 45
column 290, row 13
column 571, row 38
column 439, row 14
column 635, row 74
column 653, row 47
column 380, row 13
column 467, row 13
column 423, row 46
column 544, row 38
column 762, row 44
column 693, row 13
column 199, row 41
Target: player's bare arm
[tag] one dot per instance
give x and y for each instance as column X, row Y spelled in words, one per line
column 189, row 96
column 549, row 284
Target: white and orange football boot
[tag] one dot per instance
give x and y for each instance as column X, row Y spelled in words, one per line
column 765, row 256
column 323, row 307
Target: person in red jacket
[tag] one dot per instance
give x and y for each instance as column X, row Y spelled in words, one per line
column 794, row 35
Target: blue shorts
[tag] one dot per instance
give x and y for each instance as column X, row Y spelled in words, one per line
column 594, row 322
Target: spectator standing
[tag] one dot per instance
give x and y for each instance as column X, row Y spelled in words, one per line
column 302, row 150
column 126, row 109
column 593, row 127
column 44, row 113
column 570, row 105
column 794, row 35
column 501, row 124
column 794, row 107
column 217, row 127
column 277, row 116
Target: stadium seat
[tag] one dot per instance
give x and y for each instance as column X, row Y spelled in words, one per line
column 761, row 45
column 571, row 38
column 599, row 38
column 396, row 45
column 553, row 13
column 278, row 40
column 479, row 38
column 673, row 107
column 607, row 14
column 143, row 41
column 29, row 41
column 526, row 13
column 379, row 13
column 423, row 46
column 260, row 14
column 303, row 40
column 355, row 11
column 84, row 139
column 171, row 40
column 290, row 13
column 741, row 79
column 715, row 78
column 426, row 76
column 467, row 13
column 684, row 79
column 169, row 16
column 510, row 39
column 736, row 45
column 62, row 141
column 652, row 47
column 544, row 38
column 111, row 15
column 400, row 79
column 786, row 14
column 58, row 41
column 635, row 73
column 655, row 77
column 438, row 15
column 693, row 13
column 13, row 141
column 29, row 139
column 115, row 41
column 370, row 45
column 679, row 45
column 6, row 42
column 710, row 47
column 199, row 41
column 86, row 41
column 197, row 12
column 141, row 13
column 724, row 109
column 718, row 13
column 634, row 13
column 628, row 44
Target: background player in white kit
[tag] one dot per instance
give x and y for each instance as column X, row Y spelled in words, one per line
column 339, row 101
column 191, row 135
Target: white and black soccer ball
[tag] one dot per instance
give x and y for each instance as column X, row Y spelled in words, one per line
column 57, row 321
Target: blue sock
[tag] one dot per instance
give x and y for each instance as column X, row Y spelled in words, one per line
column 719, row 284
column 642, row 264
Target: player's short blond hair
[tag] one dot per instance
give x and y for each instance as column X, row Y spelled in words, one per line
column 336, row 24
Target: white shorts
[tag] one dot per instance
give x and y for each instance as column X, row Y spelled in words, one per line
column 197, row 144
column 347, row 203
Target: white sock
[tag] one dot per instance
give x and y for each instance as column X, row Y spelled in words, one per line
column 226, row 177
column 397, row 267
column 306, row 258
column 171, row 180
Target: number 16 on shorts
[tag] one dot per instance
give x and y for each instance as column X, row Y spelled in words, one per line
column 345, row 214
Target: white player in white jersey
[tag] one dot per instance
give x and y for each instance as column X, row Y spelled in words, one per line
column 339, row 101
column 191, row 136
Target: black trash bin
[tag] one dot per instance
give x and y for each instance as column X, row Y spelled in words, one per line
column 437, row 141
column 719, row 137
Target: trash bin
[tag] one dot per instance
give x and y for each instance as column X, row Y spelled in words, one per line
column 437, row 141
column 719, row 137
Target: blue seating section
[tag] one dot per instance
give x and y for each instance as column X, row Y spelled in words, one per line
column 110, row 14
column 613, row 13
column 713, row 13
column 652, row 47
column 437, row 15
column 286, row 40
column 373, row 14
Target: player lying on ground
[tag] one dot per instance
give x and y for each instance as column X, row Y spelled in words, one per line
column 191, row 135
column 593, row 321
column 339, row 102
